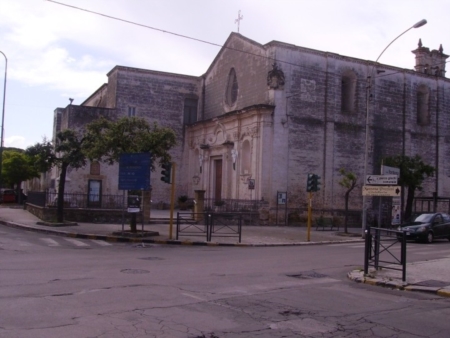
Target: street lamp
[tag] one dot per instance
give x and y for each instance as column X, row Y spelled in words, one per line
column 3, row 120
column 369, row 80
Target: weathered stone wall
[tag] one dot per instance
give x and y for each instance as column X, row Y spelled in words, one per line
column 251, row 67
column 158, row 97
column 77, row 117
column 322, row 139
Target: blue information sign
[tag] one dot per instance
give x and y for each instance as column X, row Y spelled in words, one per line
column 134, row 171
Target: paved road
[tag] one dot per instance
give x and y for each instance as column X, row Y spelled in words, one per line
column 124, row 290
column 11, row 238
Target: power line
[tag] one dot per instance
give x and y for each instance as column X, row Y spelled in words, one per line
column 206, row 42
column 135, row 23
column 176, row 34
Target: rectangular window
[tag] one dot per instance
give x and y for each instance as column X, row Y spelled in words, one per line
column 94, row 193
column 131, row 111
column 190, row 111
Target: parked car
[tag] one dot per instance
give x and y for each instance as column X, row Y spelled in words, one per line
column 7, row 196
column 427, row 227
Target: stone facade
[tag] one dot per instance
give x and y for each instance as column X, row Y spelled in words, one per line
column 270, row 114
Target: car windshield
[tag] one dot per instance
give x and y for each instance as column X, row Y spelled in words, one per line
column 424, row 218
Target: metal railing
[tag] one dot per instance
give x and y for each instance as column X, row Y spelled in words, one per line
column 209, row 224
column 379, row 250
column 191, row 224
column 76, row 200
column 432, row 204
column 232, row 205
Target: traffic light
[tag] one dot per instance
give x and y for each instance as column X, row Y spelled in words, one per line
column 166, row 172
column 316, row 183
column 310, row 182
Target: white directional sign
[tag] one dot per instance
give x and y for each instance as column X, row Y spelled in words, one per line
column 385, row 170
column 372, row 190
column 381, row 180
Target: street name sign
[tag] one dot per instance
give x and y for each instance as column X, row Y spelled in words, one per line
column 381, row 180
column 372, row 190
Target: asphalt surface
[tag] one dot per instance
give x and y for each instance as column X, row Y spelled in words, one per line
column 432, row 276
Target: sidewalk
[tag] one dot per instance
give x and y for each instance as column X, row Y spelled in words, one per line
column 429, row 276
column 251, row 235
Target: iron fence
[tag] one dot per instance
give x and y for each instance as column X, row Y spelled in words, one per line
column 232, row 205
column 71, row 200
column 381, row 247
column 432, row 204
column 209, row 224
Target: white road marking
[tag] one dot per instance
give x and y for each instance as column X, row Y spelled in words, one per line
column 100, row 242
column 76, row 242
column 50, row 242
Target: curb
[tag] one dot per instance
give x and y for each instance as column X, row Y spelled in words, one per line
column 121, row 239
column 359, row 277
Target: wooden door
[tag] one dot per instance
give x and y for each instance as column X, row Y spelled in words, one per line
column 218, row 180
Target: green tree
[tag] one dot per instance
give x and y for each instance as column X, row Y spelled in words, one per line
column 413, row 172
column 17, row 167
column 348, row 181
column 67, row 151
column 106, row 140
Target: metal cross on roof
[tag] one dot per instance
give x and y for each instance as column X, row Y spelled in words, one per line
column 238, row 20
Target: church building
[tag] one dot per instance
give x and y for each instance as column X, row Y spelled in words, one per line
column 264, row 116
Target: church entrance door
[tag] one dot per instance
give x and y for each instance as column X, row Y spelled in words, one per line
column 218, row 180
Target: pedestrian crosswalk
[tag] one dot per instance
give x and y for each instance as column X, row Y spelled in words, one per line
column 74, row 242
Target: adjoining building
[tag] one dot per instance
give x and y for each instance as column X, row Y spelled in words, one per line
column 264, row 116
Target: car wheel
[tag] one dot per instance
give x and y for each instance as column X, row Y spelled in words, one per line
column 429, row 237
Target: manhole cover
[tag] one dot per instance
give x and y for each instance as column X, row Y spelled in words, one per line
column 134, row 271
column 152, row 258
column 433, row 283
column 308, row 275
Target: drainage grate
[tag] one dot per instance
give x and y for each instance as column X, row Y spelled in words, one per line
column 134, row 271
column 308, row 275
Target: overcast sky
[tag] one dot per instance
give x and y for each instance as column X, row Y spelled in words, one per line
column 56, row 52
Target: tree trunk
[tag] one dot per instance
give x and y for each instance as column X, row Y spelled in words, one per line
column 347, row 195
column 409, row 202
column 60, row 203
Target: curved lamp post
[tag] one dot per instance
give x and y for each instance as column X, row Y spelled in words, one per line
column 3, row 120
column 369, row 80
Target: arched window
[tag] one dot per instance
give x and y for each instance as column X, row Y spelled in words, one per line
column 423, row 105
column 348, row 92
column 231, row 93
